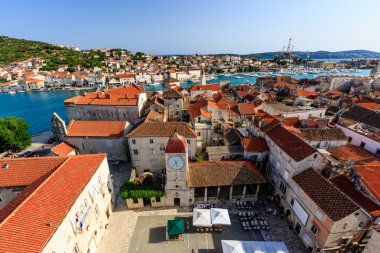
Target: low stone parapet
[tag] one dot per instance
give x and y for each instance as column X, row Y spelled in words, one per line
column 131, row 204
column 161, row 202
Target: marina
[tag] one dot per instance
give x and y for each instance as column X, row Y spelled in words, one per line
column 38, row 107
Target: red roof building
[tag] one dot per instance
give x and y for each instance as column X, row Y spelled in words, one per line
column 176, row 144
column 80, row 128
column 29, row 222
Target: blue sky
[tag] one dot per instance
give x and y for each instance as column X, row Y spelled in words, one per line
column 196, row 26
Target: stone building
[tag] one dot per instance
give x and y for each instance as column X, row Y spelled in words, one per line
column 187, row 182
column 120, row 104
column 173, row 101
column 93, row 137
column 326, row 138
column 147, row 144
column 323, row 216
column 65, row 209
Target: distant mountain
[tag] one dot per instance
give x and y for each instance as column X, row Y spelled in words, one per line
column 349, row 54
column 12, row 50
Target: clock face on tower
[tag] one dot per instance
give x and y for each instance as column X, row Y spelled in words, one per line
column 175, row 162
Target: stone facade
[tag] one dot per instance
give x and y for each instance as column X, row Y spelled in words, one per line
column 115, row 147
column 176, row 181
column 147, row 153
column 106, row 112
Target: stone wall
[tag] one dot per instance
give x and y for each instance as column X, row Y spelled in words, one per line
column 132, row 205
column 164, row 202
column 116, row 148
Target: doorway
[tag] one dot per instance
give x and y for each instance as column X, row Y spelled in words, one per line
column 177, row 201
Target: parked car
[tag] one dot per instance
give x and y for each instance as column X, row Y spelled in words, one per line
column 26, row 154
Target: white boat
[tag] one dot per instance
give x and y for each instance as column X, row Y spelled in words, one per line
column 12, row 92
column 20, row 91
column 238, row 77
column 154, row 84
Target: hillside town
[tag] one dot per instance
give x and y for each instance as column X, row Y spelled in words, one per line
column 293, row 162
column 121, row 67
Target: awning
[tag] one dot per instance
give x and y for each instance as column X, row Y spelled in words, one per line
column 201, row 217
column 176, row 227
column 220, row 216
column 230, row 246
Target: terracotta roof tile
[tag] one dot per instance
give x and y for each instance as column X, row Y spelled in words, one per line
column 353, row 153
column 223, row 173
column 348, row 187
column 370, row 175
column 246, row 108
column 172, row 93
column 322, row 134
column 63, row 149
column 154, row 116
column 291, row 144
column 96, row 128
column 176, row 144
column 24, row 171
column 212, row 87
column 330, row 199
column 125, row 96
column 255, row 144
column 162, row 129
column 25, row 228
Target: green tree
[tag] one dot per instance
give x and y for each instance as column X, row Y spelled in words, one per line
column 200, row 158
column 14, row 134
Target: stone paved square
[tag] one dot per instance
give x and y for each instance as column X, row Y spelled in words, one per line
column 145, row 232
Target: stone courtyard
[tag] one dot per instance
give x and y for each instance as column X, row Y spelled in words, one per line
column 145, row 231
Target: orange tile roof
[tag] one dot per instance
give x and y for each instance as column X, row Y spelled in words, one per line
column 127, row 75
column 24, row 171
column 30, row 224
column 124, row 96
column 371, row 106
column 162, row 129
column 348, row 187
column 370, row 175
column 205, row 113
column 291, row 144
column 63, row 149
column 212, row 87
column 354, row 153
column 246, row 108
column 255, row 144
column 96, row 128
column 304, row 93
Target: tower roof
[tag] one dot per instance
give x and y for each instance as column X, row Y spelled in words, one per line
column 176, row 144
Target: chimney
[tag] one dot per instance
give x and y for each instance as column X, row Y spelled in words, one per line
column 5, row 166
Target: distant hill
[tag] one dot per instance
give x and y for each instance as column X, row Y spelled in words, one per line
column 12, row 50
column 350, row 54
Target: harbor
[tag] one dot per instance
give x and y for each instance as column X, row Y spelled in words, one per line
column 38, row 107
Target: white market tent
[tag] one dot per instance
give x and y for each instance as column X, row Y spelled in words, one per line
column 230, row 246
column 253, row 247
column 220, row 216
column 201, row 218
